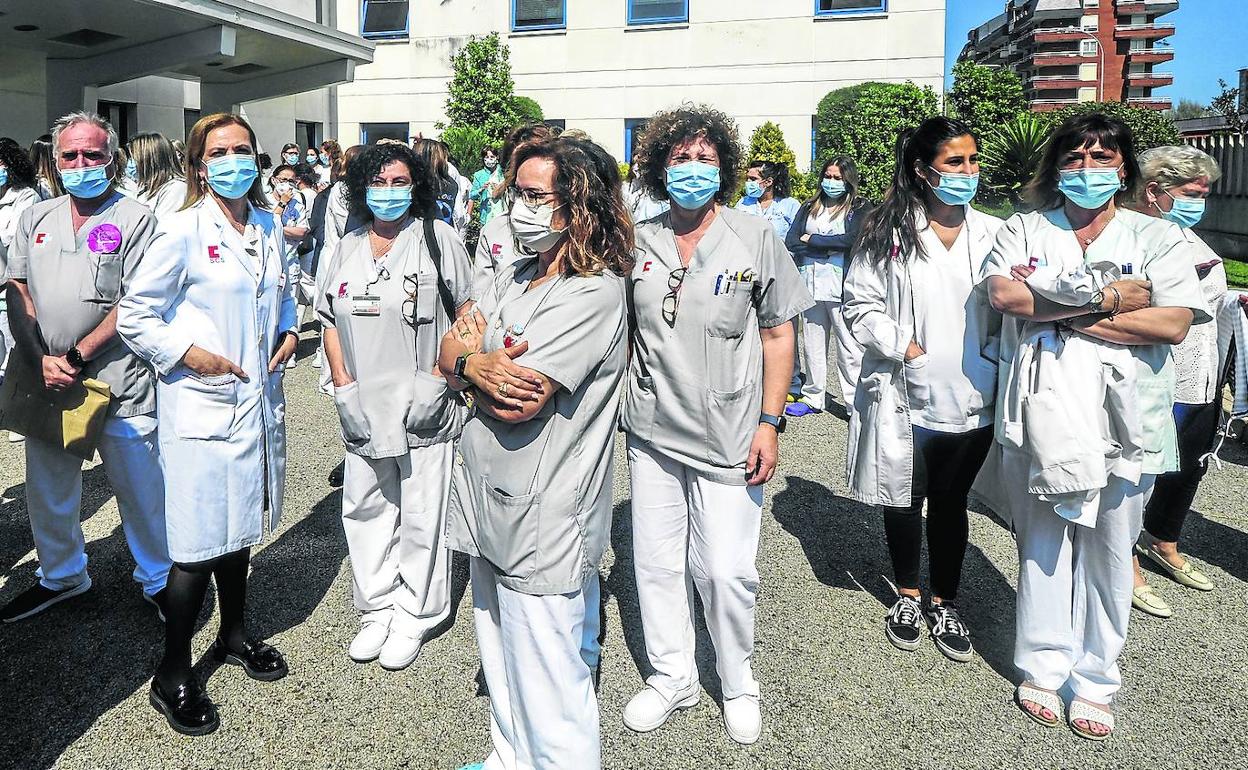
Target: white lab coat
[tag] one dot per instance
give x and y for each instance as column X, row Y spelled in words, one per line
column 222, row 440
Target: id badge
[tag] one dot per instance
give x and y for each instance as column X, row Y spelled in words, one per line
column 366, row 305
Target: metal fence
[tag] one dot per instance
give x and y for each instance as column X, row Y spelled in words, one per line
column 1231, row 153
column 1225, row 226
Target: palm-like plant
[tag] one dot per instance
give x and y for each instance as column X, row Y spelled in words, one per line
column 1011, row 154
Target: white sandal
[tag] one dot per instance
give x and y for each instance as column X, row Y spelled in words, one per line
column 1091, row 713
column 1029, row 693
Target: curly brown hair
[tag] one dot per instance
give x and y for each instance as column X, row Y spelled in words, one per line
column 669, row 128
column 587, row 180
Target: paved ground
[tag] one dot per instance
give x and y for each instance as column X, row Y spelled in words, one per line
column 73, row 682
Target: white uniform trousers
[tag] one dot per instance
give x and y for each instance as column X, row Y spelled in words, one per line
column 795, row 382
column 6, row 339
column 1074, row 586
column 543, row 710
column 305, row 292
column 826, row 316
column 394, row 517
column 130, row 455
column 691, row 531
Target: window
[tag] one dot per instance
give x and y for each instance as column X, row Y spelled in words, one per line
column 122, row 115
column 837, row 7
column 383, row 19
column 307, row 134
column 371, row 133
column 1087, row 47
column 189, row 119
column 538, row 14
column 558, row 124
column 633, row 128
column 657, row 11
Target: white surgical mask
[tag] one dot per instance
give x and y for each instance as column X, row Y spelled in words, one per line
column 531, row 227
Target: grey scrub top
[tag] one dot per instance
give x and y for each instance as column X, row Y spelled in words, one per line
column 76, row 279
column 539, row 491
column 496, row 247
column 694, row 390
column 396, row 402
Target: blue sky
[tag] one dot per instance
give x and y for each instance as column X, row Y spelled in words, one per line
column 1209, row 42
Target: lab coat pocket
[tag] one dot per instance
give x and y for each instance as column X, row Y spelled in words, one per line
column 431, row 404
column 640, row 403
column 102, row 281
column 205, row 407
column 1060, row 458
column 918, row 388
column 731, row 421
column 351, row 415
column 728, row 311
column 983, row 376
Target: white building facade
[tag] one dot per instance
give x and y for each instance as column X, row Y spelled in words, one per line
column 604, row 66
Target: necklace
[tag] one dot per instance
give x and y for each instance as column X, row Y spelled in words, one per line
column 381, row 246
column 1087, row 241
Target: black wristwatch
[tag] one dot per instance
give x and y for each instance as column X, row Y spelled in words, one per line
column 74, row 357
column 461, row 363
column 779, row 423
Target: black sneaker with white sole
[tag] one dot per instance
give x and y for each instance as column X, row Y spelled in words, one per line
column 949, row 632
column 904, row 624
column 37, row 598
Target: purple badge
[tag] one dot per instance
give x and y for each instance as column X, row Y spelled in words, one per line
column 104, row 239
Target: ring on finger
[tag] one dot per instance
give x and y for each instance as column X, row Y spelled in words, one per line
column 503, row 388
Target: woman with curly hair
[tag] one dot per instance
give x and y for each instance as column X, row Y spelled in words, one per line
column 393, row 288
column 544, row 353
column 714, row 293
column 18, row 192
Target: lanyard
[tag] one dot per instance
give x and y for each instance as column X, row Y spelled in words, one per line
column 379, row 271
column 517, row 329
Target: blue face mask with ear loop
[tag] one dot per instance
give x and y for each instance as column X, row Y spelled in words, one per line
column 388, row 203
column 1089, row 188
column 4, row 176
column 833, row 188
column 692, row 185
column 231, row 176
column 1186, row 212
column 753, row 189
column 86, row 183
column 132, row 170
column 955, row 189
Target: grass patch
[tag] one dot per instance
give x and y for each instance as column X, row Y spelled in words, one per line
column 1236, row 272
column 1003, row 210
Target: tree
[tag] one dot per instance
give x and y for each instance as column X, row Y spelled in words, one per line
column 1187, row 109
column 481, row 93
column 1230, row 106
column 767, row 144
column 1009, row 156
column 528, row 110
column 1150, row 128
column 985, row 98
column 863, row 122
column 466, row 144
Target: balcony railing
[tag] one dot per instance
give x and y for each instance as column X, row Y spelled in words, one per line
column 1150, row 75
column 1146, row 6
column 1155, row 29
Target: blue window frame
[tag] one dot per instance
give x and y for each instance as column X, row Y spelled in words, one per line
column 633, row 127
column 384, row 19
column 657, row 11
column 849, row 7
column 371, row 133
column 538, row 14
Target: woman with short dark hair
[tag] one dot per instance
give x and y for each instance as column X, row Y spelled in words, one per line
column 1094, row 295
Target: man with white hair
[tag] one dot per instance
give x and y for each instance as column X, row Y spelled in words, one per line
column 69, row 265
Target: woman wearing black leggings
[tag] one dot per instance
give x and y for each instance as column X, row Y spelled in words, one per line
column 923, row 410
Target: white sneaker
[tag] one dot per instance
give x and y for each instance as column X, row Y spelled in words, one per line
column 368, row 642
column 743, row 719
column 649, row 709
column 16, row 438
column 319, row 360
column 399, row 651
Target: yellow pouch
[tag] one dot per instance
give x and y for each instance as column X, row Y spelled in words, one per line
column 72, row 419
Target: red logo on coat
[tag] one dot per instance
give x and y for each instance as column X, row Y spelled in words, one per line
column 39, row 237
column 214, row 254
column 342, row 290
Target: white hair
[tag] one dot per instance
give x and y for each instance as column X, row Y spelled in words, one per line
column 90, row 118
column 1176, row 166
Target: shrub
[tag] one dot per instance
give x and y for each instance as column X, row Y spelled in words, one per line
column 466, row 144
column 1151, row 128
column 481, row 93
column 985, row 98
column 528, row 110
column 1009, row 156
column 767, row 144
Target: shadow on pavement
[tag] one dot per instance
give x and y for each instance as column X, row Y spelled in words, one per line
column 1216, row 544
column 15, row 537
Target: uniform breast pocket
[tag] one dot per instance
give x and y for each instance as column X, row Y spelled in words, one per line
column 102, row 282
column 206, row 407
column 426, row 298
column 728, row 311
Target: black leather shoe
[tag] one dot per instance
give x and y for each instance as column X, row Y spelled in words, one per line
column 188, row 709
column 260, row 660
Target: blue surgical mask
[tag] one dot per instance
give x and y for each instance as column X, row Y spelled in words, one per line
column 132, row 170
column 231, row 176
column 4, row 176
column 833, row 188
column 290, row 158
column 753, row 189
column 389, row 203
column 1090, row 188
column 1186, row 212
column 692, row 185
column 955, row 189
column 324, row 159
column 86, row 183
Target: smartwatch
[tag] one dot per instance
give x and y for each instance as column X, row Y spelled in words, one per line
column 779, row 423
column 461, row 363
column 74, row 357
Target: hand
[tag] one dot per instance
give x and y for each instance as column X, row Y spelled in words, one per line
column 1021, row 272
column 914, row 351
column 58, row 373
column 468, row 330
column 1136, row 295
column 1203, row 269
column 760, row 465
column 208, row 364
column 284, row 198
column 490, row 371
column 284, row 351
column 1243, row 303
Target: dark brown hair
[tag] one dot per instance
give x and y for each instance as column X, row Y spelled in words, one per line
column 668, row 129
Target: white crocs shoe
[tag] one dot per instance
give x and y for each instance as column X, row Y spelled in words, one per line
column 649, row 709
column 368, row 642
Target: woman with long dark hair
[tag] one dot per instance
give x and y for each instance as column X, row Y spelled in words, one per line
column 822, row 240
column 921, row 424
column 1094, row 296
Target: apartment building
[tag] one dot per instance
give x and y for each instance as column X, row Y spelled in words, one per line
column 604, row 66
column 1069, row 51
column 157, row 65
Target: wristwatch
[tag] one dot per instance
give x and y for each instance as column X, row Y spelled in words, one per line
column 779, row 423
column 74, row 357
column 461, row 363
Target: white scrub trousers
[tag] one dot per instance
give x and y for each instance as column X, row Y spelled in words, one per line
column 691, row 531
column 131, row 458
column 823, row 317
column 543, row 709
column 394, row 517
column 1074, row 586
